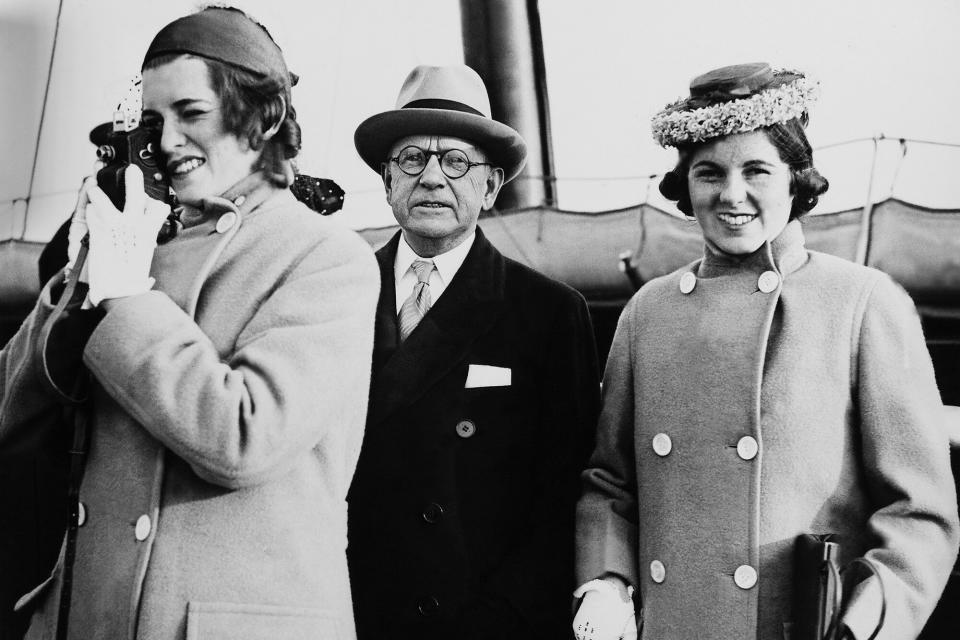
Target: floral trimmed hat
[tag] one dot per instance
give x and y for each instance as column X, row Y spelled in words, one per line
column 734, row 99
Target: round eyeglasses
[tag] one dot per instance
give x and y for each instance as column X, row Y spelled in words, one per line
column 453, row 162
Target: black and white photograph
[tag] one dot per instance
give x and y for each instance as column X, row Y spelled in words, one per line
column 479, row 320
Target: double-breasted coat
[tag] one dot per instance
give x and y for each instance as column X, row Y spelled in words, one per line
column 222, row 445
column 747, row 401
column 461, row 512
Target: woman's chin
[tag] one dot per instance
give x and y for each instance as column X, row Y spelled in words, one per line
column 738, row 246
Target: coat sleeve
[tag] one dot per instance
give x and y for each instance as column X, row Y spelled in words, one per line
column 28, row 406
column 300, row 368
column 606, row 525
column 906, row 460
column 537, row 573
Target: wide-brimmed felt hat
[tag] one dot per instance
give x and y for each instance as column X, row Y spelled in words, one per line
column 445, row 101
column 735, row 99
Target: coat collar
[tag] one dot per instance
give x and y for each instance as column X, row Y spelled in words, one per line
column 784, row 254
column 403, row 372
column 244, row 197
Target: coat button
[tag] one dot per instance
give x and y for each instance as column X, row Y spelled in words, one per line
column 432, row 513
column 466, row 428
column 687, row 282
column 768, row 282
column 428, row 606
column 657, row 571
column 662, row 445
column 142, row 529
column 745, row 576
column 226, row 222
column 81, row 514
column 747, row 447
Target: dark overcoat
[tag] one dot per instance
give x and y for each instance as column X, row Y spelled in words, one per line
column 461, row 512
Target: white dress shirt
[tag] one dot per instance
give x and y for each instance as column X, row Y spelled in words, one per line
column 447, row 266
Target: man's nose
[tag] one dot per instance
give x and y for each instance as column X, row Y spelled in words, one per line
column 432, row 173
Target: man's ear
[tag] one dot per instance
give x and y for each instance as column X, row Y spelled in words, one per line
column 492, row 187
column 387, row 178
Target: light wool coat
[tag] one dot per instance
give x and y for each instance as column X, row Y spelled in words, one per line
column 822, row 365
column 222, row 447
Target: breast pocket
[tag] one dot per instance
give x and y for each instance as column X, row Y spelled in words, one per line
column 503, row 416
column 227, row 621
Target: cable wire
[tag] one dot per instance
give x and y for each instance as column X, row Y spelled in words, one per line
column 43, row 113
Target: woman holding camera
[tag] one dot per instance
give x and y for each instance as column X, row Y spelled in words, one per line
column 229, row 370
column 759, row 394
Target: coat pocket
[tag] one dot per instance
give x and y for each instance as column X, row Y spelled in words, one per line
column 228, row 621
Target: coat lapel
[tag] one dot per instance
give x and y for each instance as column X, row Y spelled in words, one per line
column 386, row 335
column 471, row 302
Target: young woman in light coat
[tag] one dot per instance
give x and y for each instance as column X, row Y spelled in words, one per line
column 763, row 392
column 230, row 371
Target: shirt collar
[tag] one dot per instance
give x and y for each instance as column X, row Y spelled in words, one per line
column 447, row 263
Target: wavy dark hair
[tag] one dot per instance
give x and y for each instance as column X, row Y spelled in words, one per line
column 250, row 105
column 790, row 140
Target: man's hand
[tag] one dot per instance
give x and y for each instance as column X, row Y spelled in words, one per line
column 604, row 613
column 122, row 243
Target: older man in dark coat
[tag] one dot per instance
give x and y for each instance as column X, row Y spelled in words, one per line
column 484, row 395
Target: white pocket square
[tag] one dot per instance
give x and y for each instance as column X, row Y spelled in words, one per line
column 484, row 375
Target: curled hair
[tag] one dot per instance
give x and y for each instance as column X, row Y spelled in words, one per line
column 250, row 105
column 790, row 141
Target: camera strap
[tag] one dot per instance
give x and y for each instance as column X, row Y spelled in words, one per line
column 76, row 413
column 79, row 416
column 76, row 395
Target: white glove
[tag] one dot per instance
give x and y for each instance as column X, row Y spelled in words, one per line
column 122, row 243
column 603, row 614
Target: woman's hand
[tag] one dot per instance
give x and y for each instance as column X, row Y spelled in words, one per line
column 606, row 612
column 122, row 243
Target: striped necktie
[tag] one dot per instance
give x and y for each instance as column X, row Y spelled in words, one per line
column 419, row 302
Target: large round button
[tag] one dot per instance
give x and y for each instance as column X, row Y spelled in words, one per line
column 687, row 282
column 142, row 529
column 226, row 222
column 432, row 513
column 466, row 428
column 747, row 447
column 662, row 445
column 81, row 514
column 658, row 572
column 745, row 576
column 768, row 281
column 428, row 606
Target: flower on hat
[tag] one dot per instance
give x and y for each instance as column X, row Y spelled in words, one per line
column 676, row 124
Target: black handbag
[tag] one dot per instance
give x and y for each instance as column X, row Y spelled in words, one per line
column 818, row 589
